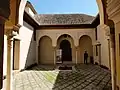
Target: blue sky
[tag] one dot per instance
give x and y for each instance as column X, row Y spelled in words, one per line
column 65, row 6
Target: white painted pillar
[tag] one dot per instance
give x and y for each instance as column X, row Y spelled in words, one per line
column 9, row 77
column 54, row 51
column 94, row 53
column 37, row 50
column 11, row 68
column 109, row 53
column 99, row 48
column 77, row 54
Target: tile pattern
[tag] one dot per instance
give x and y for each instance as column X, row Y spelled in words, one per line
column 84, row 77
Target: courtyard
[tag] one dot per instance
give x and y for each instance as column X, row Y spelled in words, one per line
column 48, row 77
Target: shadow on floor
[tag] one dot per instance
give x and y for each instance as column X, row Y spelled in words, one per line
column 87, row 77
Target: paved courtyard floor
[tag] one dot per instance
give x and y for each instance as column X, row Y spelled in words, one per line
column 81, row 77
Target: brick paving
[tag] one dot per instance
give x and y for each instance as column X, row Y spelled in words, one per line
column 82, row 77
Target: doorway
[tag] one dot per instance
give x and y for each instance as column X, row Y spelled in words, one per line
column 66, row 50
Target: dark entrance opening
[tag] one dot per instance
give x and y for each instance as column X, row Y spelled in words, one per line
column 66, row 50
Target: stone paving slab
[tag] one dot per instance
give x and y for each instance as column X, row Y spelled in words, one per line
column 84, row 77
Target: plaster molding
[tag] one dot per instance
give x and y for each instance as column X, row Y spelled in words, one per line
column 16, row 27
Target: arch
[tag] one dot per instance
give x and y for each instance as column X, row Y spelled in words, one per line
column 43, row 37
column 65, row 36
column 85, row 35
column 45, row 51
column 89, row 35
column 61, row 35
column 85, row 44
column 102, row 10
column 21, row 11
column 71, row 41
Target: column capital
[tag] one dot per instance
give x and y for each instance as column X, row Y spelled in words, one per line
column 16, row 27
column 77, row 47
column 12, row 34
column 106, row 28
column 54, row 48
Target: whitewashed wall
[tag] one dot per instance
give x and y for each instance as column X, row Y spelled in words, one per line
column 27, row 46
column 102, row 38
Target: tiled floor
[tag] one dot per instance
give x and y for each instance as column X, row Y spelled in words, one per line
column 82, row 77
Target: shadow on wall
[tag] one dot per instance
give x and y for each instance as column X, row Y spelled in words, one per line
column 30, row 59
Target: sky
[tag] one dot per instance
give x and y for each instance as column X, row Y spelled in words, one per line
column 65, row 6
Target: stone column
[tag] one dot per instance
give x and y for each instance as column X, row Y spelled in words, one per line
column 113, row 60
column 111, row 36
column 54, row 51
column 99, row 48
column 37, row 52
column 109, row 53
column 76, row 54
column 94, row 53
column 9, row 65
column 98, row 52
